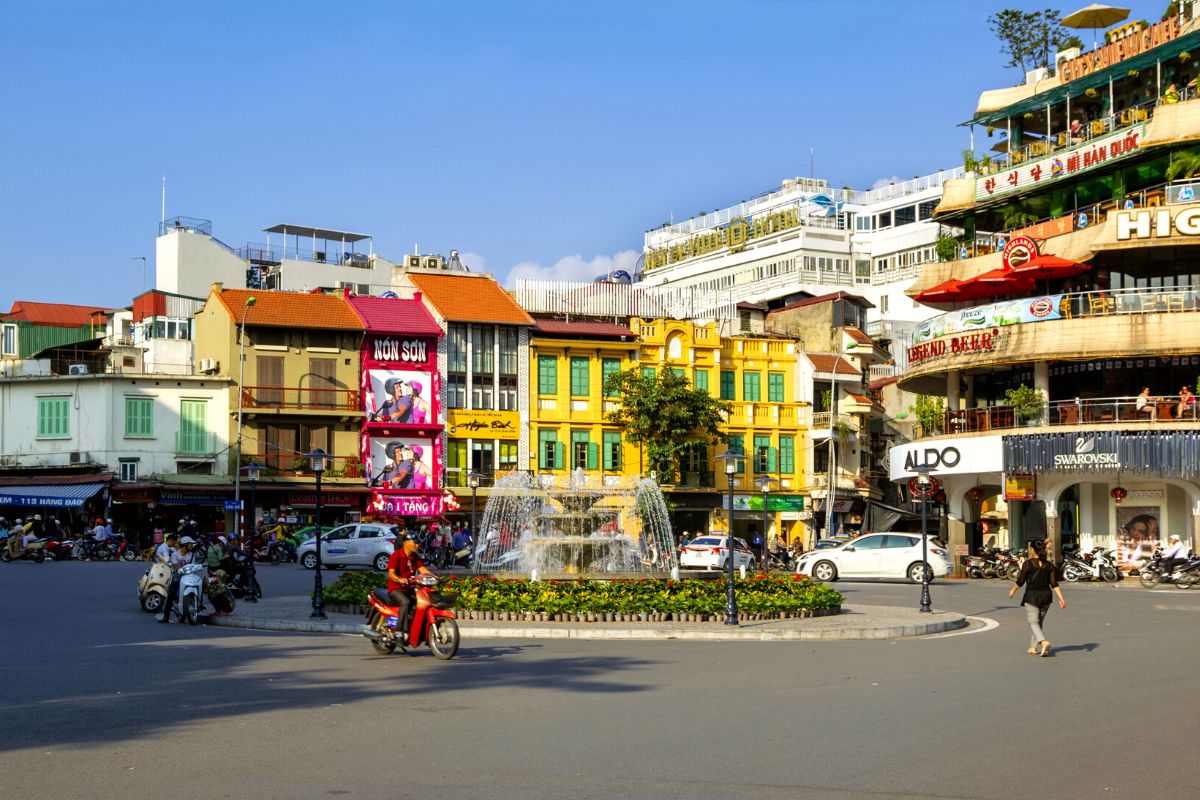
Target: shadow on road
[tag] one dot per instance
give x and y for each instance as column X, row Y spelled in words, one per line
column 1067, row 648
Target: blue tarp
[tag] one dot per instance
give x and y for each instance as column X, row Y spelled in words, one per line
column 55, row 496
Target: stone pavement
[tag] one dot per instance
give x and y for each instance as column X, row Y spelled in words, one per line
column 291, row 613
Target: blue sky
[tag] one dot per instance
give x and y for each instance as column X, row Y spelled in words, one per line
column 538, row 136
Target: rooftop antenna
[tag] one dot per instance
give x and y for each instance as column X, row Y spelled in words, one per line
column 811, row 172
column 416, row 249
column 164, row 200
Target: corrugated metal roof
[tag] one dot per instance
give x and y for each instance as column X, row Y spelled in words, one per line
column 291, row 309
column 556, row 327
column 393, row 315
column 470, row 298
column 59, row 315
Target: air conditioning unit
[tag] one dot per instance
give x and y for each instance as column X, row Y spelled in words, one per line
column 209, row 365
column 77, row 369
column 79, row 457
column 432, row 262
column 412, row 262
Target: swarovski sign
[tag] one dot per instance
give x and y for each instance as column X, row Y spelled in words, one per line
column 1174, row 454
column 1085, row 455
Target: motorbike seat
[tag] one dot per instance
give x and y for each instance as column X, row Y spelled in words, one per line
column 382, row 596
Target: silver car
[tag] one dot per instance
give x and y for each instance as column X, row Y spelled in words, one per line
column 367, row 544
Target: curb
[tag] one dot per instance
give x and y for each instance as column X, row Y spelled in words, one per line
column 748, row 632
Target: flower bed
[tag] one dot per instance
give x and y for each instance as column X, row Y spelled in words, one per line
column 645, row 599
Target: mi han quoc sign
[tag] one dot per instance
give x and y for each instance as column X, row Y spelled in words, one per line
column 1063, row 163
column 978, row 342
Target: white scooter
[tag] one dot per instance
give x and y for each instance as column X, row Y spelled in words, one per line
column 191, row 593
column 152, row 588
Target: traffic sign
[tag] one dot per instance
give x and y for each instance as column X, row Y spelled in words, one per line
column 233, row 505
column 915, row 488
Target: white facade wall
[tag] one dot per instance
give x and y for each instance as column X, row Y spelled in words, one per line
column 300, row 276
column 188, row 263
column 97, row 420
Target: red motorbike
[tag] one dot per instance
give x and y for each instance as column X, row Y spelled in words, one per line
column 431, row 621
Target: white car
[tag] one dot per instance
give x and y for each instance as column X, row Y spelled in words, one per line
column 711, row 552
column 875, row 555
column 365, row 544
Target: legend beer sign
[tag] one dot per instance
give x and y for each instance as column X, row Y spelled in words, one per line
column 963, row 344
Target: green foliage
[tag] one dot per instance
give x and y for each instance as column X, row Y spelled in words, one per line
column 663, row 413
column 1027, row 402
column 1172, row 9
column 1016, row 215
column 930, row 412
column 757, row 594
column 1184, row 164
column 947, row 247
column 1030, row 39
column 969, row 161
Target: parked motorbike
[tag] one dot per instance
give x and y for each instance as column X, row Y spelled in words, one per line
column 118, row 548
column 191, row 593
column 781, row 559
column 243, row 579
column 60, row 549
column 34, row 551
column 431, row 621
column 1099, row 565
column 973, row 566
column 152, row 588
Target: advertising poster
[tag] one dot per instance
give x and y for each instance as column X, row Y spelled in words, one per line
column 401, row 396
column 407, row 505
column 402, row 463
column 1137, row 535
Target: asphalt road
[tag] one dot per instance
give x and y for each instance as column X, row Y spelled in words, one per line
column 96, row 699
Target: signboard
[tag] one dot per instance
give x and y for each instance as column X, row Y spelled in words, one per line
column 1063, row 163
column 1020, row 487
column 917, row 490
column 1049, row 228
column 1174, row 454
column 962, row 550
column 953, row 346
column 401, row 396
column 1017, row 251
column 180, row 497
column 754, row 502
column 328, row 499
column 1157, row 223
column 983, row 319
column 484, row 424
column 733, row 237
column 957, row 456
column 402, row 462
column 1121, row 44
column 233, row 505
column 407, row 505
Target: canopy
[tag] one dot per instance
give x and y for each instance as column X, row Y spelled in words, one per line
column 53, row 496
column 1095, row 16
column 945, row 292
column 1048, row 267
column 998, row 282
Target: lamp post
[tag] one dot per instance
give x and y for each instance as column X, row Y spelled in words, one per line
column 317, row 459
column 252, row 471
column 925, row 486
column 237, row 477
column 764, row 483
column 731, row 610
column 473, row 481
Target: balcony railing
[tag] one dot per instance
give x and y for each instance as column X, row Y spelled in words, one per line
column 293, row 465
column 696, row 480
column 303, row 398
column 1076, row 411
column 820, row 422
column 877, row 372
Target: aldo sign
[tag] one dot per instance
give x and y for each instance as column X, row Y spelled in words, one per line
column 959, row 456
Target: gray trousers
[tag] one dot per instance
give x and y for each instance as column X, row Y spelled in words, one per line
column 1035, row 616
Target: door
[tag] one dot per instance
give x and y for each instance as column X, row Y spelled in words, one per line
column 322, row 382
column 337, row 545
column 861, row 557
column 280, row 451
column 898, row 552
column 269, row 380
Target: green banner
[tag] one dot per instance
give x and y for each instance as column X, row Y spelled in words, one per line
column 754, row 502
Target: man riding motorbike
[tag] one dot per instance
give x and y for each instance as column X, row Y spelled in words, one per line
column 403, row 566
column 1174, row 556
column 179, row 558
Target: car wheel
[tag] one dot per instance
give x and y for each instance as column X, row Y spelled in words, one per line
column 381, row 562
column 917, row 571
column 824, row 571
column 309, row 561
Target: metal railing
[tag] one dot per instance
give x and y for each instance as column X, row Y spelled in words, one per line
column 192, row 224
column 313, row 398
column 1070, row 412
column 696, row 480
column 290, row 465
column 820, row 422
column 260, row 252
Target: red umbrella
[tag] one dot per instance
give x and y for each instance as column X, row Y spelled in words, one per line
column 1048, row 267
column 995, row 283
column 945, row 292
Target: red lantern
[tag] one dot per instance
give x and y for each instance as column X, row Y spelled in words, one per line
column 939, row 496
column 1118, row 494
column 976, row 494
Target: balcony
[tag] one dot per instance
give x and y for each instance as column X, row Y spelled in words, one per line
column 820, row 423
column 696, row 480
column 196, row 445
column 764, row 415
column 291, row 465
column 878, row 372
column 300, row 399
column 1092, row 411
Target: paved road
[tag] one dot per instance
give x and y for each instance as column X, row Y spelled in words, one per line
column 97, row 699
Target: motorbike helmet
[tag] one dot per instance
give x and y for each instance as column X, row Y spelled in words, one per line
column 187, row 540
column 37, row 517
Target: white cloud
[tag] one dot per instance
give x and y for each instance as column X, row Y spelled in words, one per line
column 572, row 268
column 882, row 182
column 473, row 261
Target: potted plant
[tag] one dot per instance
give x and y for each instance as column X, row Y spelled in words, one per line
column 1027, row 403
column 930, row 413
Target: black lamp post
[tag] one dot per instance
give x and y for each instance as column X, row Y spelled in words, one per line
column 473, row 481
column 764, row 483
column 317, row 459
column 925, row 487
column 252, row 471
column 731, row 610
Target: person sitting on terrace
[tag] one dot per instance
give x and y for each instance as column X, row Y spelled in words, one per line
column 1076, row 130
column 1187, row 403
column 1171, row 95
column 1144, row 406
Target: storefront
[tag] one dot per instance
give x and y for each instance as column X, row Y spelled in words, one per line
column 70, row 499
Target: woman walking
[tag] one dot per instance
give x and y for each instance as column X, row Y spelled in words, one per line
column 1041, row 584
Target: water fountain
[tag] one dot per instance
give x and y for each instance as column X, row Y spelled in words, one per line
column 574, row 524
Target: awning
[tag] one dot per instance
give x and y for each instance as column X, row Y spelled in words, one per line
column 52, row 496
column 944, row 292
column 1048, row 267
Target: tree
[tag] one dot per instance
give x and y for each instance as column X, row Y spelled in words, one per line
column 1185, row 164
column 662, row 413
column 1030, row 39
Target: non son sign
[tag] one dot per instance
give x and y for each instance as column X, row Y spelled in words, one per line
column 413, row 351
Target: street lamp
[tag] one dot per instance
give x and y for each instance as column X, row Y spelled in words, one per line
column 731, row 610
column 317, row 459
column 473, row 481
column 237, row 478
column 764, row 483
column 252, row 471
column 924, row 486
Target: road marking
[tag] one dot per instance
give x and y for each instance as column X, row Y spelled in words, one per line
column 1162, row 607
column 988, row 624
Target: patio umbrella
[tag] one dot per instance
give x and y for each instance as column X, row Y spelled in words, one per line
column 945, row 292
column 1048, row 267
column 998, row 282
column 1095, row 16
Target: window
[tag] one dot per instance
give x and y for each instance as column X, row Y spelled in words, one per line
column 508, row 456
column 737, row 444
column 483, row 360
column 584, row 454
column 54, row 418
column 648, row 372
column 750, row 386
column 787, row 455
column 820, row 459
column 609, row 366
column 139, row 418
column 481, row 457
column 261, row 337
column 456, row 348
column 612, row 449
column 508, row 392
column 764, row 455
column 322, row 382
column 700, row 380
column 508, row 351
column 269, row 377
column 775, row 387
column 326, row 340
column 9, row 347
column 129, row 470
column 579, row 376
column 193, row 427
column 883, row 304
column 550, row 450
column 869, row 543
column 456, row 390
column 456, row 462
column 728, row 382
column 547, row 375
column 906, row 215
column 925, row 210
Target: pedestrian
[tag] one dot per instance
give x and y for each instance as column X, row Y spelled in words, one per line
column 1038, row 577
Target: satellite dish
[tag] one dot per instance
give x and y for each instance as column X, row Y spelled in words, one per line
column 390, row 295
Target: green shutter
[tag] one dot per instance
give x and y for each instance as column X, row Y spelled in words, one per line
column 54, row 417
column 559, row 459
column 728, row 385
column 593, row 455
column 609, row 366
column 545, row 455
column 762, row 454
column 737, row 444
column 193, row 426
column 787, row 455
column 547, row 375
column 775, row 387
column 648, row 372
column 612, row 449
column 139, row 417
column 750, row 386
column 772, row 459
column 579, row 376
column 700, row 380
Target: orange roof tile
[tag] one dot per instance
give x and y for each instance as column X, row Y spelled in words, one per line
column 291, row 309
column 825, row 362
column 60, row 315
column 470, row 298
column 858, row 336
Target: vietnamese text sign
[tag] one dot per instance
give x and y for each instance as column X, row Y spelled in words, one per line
column 484, row 424
column 1020, row 487
column 1061, row 164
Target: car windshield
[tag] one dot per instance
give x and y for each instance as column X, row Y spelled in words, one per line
column 393, row 531
column 710, row 540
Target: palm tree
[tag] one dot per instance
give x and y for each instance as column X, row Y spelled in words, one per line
column 1184, row 165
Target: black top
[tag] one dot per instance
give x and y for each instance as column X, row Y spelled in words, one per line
column 1038, row 581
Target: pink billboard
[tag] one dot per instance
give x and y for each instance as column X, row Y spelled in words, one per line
column 400, row 381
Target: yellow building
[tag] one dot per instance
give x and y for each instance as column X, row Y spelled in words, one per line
column 299, row 391
column 568, row 363
column 756, row 375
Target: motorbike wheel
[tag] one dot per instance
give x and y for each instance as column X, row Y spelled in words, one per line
column 191, row 610
column 102, row 553
column 129, row 555
column 1185, row 581
column 1109, row 575
column 383, row 648
column 1071, row 573
column 443, row 638
column 39, row 556
column 276, row 559
column 4, row 554
column 153, row 603
column 1149, row 578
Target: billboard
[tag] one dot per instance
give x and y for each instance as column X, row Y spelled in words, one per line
column 402, row 463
